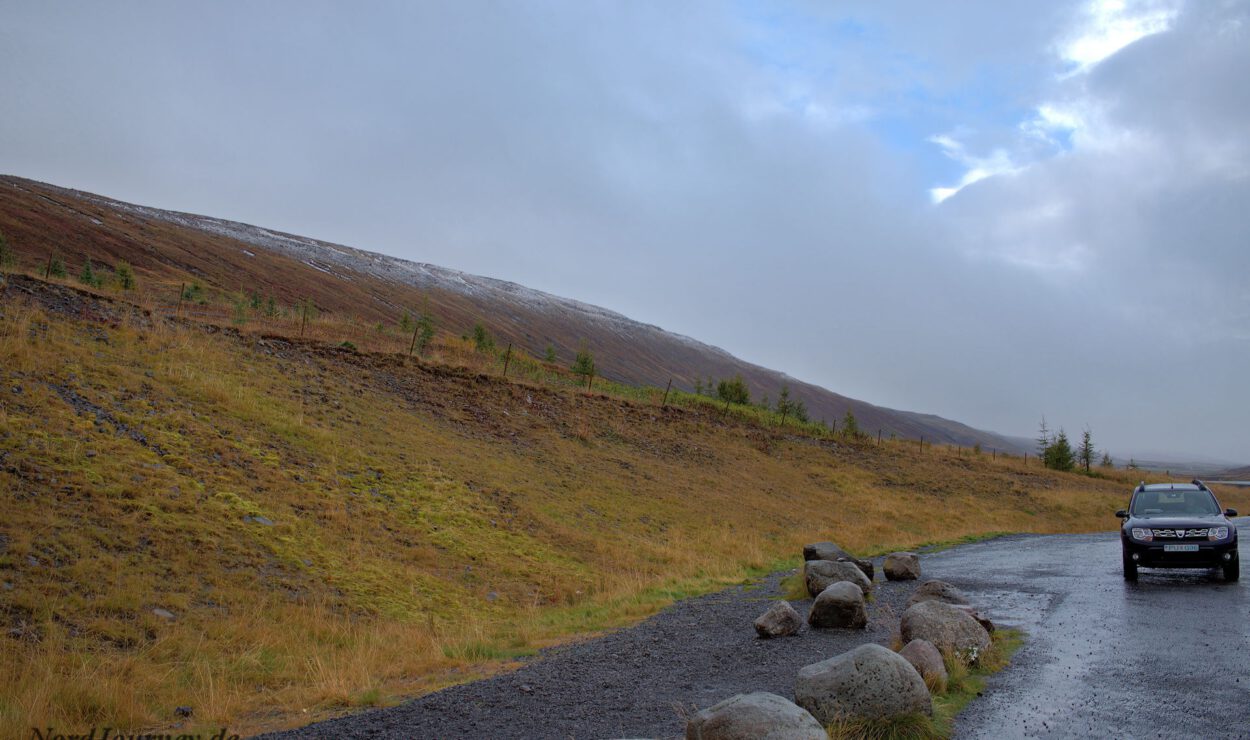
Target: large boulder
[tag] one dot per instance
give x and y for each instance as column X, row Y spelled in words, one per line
column 976, row 614
column 927, row 661
column 864, row 565
column 936, row 590
column 821, row 574
column 824, row 551
column 901, row 566
column 839, row 605
column 751, row 716
column 869, row 682
column 947, row 626
column 781, row 620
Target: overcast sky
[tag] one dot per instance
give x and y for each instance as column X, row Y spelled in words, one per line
column 992, row 210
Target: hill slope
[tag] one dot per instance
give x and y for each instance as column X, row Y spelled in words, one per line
column 170, row 248
column 267, row 529
column 1242, row 473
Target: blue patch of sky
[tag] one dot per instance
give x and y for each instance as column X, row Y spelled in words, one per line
column 910, row 99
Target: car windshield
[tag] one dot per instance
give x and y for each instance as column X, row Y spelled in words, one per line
column 1175, row 503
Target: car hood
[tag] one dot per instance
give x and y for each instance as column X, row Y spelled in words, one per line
column 1174, row 522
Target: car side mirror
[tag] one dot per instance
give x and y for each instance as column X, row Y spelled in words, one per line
column 1122, row 514
column 1230, row 512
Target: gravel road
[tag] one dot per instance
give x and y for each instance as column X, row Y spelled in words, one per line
column 637, row 682
column 1168, row 656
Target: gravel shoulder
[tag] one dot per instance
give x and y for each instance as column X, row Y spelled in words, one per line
column 637, row 682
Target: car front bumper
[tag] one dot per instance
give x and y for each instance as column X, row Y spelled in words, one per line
column 1155, row 554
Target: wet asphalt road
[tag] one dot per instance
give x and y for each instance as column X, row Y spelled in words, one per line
column 1166, row 657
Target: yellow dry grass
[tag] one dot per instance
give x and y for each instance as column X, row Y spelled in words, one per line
column 331, row 530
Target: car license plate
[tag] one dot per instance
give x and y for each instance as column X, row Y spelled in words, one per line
column 1180, row 548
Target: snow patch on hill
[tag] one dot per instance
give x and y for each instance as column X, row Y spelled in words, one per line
column 325, row 256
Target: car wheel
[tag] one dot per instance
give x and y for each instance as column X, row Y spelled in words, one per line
column 1130, row 568
column 1232, row 570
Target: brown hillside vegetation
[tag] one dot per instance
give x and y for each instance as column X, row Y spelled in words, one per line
column 234, row 261
column 267, row 530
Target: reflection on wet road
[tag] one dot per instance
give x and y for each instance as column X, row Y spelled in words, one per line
column 1168, row 656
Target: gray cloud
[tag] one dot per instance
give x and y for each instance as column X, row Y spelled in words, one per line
column 726, row 176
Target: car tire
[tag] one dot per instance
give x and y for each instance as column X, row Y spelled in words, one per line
column 1130, row 568
column 1232, row 569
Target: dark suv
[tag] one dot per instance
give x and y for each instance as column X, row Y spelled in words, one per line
column 1178, row 525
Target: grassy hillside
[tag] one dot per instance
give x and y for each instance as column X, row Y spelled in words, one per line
column 233, row 262
column 324, row 529
column 1242, row 473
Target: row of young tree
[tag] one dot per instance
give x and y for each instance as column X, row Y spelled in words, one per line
column 735, row 390
column 1057, row 452
column 583, row 362
column 123, row 275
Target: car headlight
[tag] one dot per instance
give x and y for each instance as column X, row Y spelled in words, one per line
column 1218, row 533
column 1143, row 534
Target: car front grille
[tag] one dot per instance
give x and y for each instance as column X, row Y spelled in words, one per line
column 1180, row 534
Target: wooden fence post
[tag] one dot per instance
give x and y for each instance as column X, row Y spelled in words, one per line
column 304, row 321
column 47, row 271
column 666, row 390
column 878, row 437
column 590, row 381
column 182, row 290
column 413, row 346
column 507, row 359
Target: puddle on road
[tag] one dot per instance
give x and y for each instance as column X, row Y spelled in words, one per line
column 1015, row 609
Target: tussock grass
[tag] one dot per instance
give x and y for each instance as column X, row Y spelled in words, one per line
column 794, row 587
column 906, row 727
column 335, row 529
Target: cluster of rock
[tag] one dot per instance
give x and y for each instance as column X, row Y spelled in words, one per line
column 868, row 682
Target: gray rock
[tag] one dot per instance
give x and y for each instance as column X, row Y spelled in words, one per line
column 839, row 605
column 751, row 716
column 947, row 626
column 936, row 590
column 973, row 612
column 869, row 682
column 824, row 551
column 865, row 565
column 781, row 620
column 901, row 566
column 927, row 661
column 262, row 520
column 164, row 614
column 821, row 574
